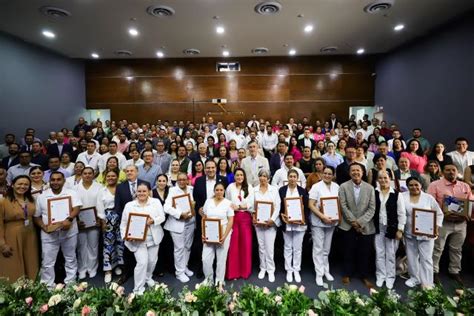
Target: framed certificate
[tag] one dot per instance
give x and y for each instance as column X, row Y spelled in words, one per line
column 331, row 208
column 263, row 211
column 88, row 216
column 457, row 206
column 424, row 223
column 294, row 209
column 211, row 230
column 137, row 227
column 183, row 203
column 59, row 209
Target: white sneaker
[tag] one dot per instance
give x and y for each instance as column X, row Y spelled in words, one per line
column 379, row 282
column 118, row 271
column 297, row 276
column 150, row 283
column 289, row 277
column 271, row 277
column 319, row 280
column 412, row 282
column 329, row 277
column 261, row 274
column 188, row 272
column 108, row 277
column 183, row 278
column 82, row 275
column 389, row 284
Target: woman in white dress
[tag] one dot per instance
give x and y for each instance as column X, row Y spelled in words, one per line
column 146, row 251
column 419, row 248
column 217, row 207
column 322, row 227
column 266, row 233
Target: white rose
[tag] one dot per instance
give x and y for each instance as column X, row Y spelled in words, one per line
column 54, row 300
column 59, row 286
column 76, row 304
column 113, row 286
column 293, row 287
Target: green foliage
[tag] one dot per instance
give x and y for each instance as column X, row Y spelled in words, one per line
column 204, row 300
column 253, row 300
column 431, row 302
column 342, row 302
column 158, row 300
column 291, row 300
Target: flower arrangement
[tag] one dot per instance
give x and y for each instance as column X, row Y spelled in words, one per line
column 26, row 297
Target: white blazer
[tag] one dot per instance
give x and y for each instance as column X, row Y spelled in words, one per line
column 252, row 171
column 173, row 223
column 153, row 209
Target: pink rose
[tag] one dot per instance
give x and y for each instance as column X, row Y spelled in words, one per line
column 266, row 290
column 29, row 300
column 86, row 310
column 301, row 289
column 120, row 290
column 43, row 308
column 231, row 306
column 150, row 313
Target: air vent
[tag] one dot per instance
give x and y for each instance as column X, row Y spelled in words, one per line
column 191, row 51
column 228, row 66
column 379, row 7
column 123, row 53
column 54, row 12
column 260, row 50
column 160, row 11
column 328, row 49
column 268, row 8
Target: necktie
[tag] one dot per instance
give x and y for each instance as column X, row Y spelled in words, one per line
column 133, row 190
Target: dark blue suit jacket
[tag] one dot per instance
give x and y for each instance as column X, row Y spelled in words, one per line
column 14, row 162
column 200, row 193
column 123, row 195
column 53, row 150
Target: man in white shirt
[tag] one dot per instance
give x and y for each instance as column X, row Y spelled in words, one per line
column 187, row 139
column 365, row 130
column 395, row 134
column 239, row 138
column 113, row 151
column 253, row 163
column 253, row 121
column 60, row 235
column 462, row 158
column 281, row 175
column 90, row 157
column 269, row 142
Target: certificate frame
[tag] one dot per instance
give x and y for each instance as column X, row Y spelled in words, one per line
column 188, row 196
column 203, row 223
column 51, row 220
column 302, row 209
column 435, row 228
column 256, row 210
column 465, row 204
column 130, row 215
column 95, row 213
column 339, row 212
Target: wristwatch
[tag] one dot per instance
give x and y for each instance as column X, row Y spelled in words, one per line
column 70, row 219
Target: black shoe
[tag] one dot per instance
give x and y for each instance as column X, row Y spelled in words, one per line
column 436, row 279
column 457, row 278
column 200, row 275
column 123, row 279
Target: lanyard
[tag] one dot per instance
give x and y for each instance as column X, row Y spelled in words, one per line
column 25, row 211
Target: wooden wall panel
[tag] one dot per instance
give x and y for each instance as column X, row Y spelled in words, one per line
column 271, row 87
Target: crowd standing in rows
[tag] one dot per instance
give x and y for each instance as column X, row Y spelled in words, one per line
column 377, row 176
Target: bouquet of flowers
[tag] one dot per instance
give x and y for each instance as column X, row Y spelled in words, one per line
column 205, row 299
column 155, row 301
column 253, row 300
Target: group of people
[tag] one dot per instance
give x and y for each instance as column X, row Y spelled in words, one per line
column 226, row 171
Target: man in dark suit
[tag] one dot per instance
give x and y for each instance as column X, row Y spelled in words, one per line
column 59, row 148
column 277, row 159
column 203, row 190
column 333, row 121
column 307, row 140
column 37, row 156
column 181, row 129
column 126, row 192
column 200, row 154
column 13, row 158
column 342, row 171
column 29, row 139
column 404, row 172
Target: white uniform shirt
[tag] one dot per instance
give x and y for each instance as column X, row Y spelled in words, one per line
column 269, row 142
column 273, row 196
column 88, row 196
column 280, row 178
column 426, row 201
column 294, row 227
column 402, row 218
column 318, row 191
column 173, row 223
column 219, row 211
column 90, row 160
column 103, row 160
column 233, row 194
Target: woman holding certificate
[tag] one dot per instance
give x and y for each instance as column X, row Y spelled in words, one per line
column 18, row 240
column 240, row 193
column 389, row 221
column 325, row 215
column 113, row 243
column 181, row 222
column 420, row 233
column 294, row 203
column 218, row 219
column 266, row 219
column 140, row 228
column 88, row 238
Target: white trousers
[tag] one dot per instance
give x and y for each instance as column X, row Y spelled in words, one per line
column 211, row 251
column 322, row 239
column 292, row 250
column 146, row 258
column 50, row 249
column 266, row 245
column 182, row 247
column 87, row 251
column 420, row 260
column 385, row 259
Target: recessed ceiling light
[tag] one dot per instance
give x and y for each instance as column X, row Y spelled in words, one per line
column 225, row 53
column 399, row 27
column 308, row 28
column 160, row 54
column 95, row 55
column 360, row 51
column 49, row 34
column 133, row 32
column 292, row 52
column 220, row 30
column 129, row 78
